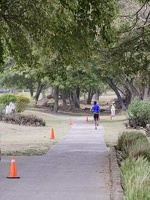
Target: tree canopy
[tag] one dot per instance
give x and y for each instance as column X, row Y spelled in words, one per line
column 76, row 43
column 59, row 25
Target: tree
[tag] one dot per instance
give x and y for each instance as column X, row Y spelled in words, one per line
column 22, row 78
column 22, row 26
column 63, row 26
column 125, row 64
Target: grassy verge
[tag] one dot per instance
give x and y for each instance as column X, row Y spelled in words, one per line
column 26, row 140
column 112, row 128
column 136, row 179
column 135, row 169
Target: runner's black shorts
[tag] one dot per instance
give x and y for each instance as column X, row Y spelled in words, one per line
column 96, row 116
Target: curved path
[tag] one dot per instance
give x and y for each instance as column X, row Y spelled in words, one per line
column 77, row 168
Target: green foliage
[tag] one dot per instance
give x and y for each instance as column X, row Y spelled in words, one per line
column 5, row 99
column 138, row 113
column 26, row 120
column 136, row 179
column 2, row 106
column 135, row 170
column 22, row 102
column 23, row 20
column 68, row 27
column 133, row 144
column 126, row 139
column 140, row 148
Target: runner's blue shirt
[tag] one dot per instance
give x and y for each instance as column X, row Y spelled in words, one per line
column 96, row 108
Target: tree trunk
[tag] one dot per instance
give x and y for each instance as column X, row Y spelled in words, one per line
column 90, row 95
column 31, row 91
column 64, row 99
column 77, row 97
column 128, row 96
column 39, row 89
column 97, row 95
column 74, row 101
column 133, row 90
column 56, row 97
column 44, row 98
column 71, row 99
column 148, row 88
column 114, row 87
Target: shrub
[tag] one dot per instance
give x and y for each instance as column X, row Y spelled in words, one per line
column 127, row 139
column 138, row 113
column 5, row 99
column 2, row 107
column 136, row 179
column 22, row 102
column 133, row 144
column 26, row 120
column 140, row 148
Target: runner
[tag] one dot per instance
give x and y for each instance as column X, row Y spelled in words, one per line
column 95, row 108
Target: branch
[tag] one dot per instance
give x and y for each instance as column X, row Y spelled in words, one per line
column 147, row 18
column 137, row 15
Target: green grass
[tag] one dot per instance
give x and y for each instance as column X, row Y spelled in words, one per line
column 25, row 140
column 136, row 179
column 113, row 128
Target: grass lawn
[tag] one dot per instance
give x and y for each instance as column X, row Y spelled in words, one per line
column 26, row 140
column 113, row 128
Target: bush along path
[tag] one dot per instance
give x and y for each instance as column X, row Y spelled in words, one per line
column 138, row 115
column 25, row 120
column 133, row 151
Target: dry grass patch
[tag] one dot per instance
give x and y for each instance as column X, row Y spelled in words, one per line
column 26, row 140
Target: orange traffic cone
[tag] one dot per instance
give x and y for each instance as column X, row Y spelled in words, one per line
column 110, row 117
column 99, row 118
column 87, row 119
column 13, row 169
column 52, row 134
column 70, row 122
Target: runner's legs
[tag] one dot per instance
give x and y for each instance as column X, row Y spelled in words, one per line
column 96, row 115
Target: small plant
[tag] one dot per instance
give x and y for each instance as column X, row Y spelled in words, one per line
column 133, row 144
column 22, row 102
column 2, row 107
column 5, row 99
column 25, row 120
column 136, row 178
column 138, row 113
column 129, row 138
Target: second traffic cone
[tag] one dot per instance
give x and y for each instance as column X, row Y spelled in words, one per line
column 13, row 169
column 70, row 121
column 99, row 118
column 87, row 119
column 110, row 117
column 52, row 134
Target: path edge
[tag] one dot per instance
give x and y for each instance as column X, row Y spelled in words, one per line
column 116, row 190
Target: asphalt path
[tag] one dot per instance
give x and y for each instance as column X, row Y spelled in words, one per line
column 76, row 168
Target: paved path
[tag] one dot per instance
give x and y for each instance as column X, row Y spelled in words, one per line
column 77, row 168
